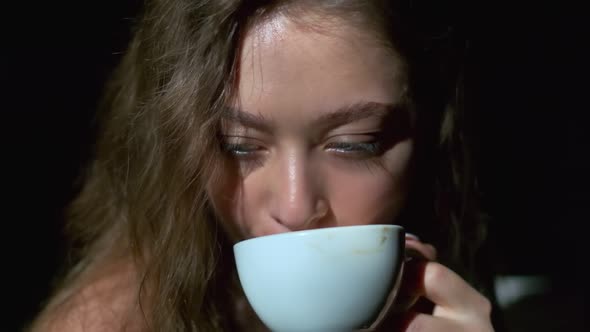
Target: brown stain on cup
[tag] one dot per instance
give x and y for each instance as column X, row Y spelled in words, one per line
column 384, row 237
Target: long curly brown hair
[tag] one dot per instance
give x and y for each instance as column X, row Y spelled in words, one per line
column 144, row 195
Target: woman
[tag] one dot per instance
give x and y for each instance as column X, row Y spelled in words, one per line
column 232, row 119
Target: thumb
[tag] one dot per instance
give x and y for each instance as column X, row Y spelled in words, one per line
column 416, row 253
column 418, row 249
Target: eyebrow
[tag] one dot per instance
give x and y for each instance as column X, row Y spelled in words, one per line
column 335, row 118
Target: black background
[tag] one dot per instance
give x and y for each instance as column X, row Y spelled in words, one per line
column 529, row 91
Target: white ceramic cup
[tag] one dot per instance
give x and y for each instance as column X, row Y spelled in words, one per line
column 328, row 279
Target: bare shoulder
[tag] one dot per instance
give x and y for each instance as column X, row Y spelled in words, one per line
column 104, row 299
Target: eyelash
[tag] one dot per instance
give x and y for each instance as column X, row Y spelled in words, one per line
column 360, row 149
column 247, row 155
column 249, row 151
column 240, row 150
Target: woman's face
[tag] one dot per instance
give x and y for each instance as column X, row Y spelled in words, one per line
column 319, row 133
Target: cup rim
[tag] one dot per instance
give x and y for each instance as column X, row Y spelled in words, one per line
column 317, row 231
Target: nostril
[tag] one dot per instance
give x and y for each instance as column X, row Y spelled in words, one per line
column 321, row 210
column 299, row 219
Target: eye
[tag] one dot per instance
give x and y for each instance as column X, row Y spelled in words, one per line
column 360, row 146
column 241, row 147
column 248, row 153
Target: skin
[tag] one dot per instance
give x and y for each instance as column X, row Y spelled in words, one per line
column 303, row 170
column 304, row 135
column 289, row 166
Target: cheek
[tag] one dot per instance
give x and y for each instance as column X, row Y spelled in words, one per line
column 223, row 192
column 239, row 202
column 366, row 199
column 374, row 195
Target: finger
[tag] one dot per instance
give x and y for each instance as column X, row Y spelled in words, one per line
column 411, row 285
column 417, row 249
column 400, row 320
column 451, row 293
column 405, row 294
column 416, row 321
column 411, row 288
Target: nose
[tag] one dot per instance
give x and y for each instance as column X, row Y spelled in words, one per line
column 297, row 200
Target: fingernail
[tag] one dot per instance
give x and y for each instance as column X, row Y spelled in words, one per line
column 412, row 236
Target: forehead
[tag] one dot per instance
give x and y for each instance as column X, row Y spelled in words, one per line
column 293, row 69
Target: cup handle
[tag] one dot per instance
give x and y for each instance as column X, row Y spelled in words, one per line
column 390, row 305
